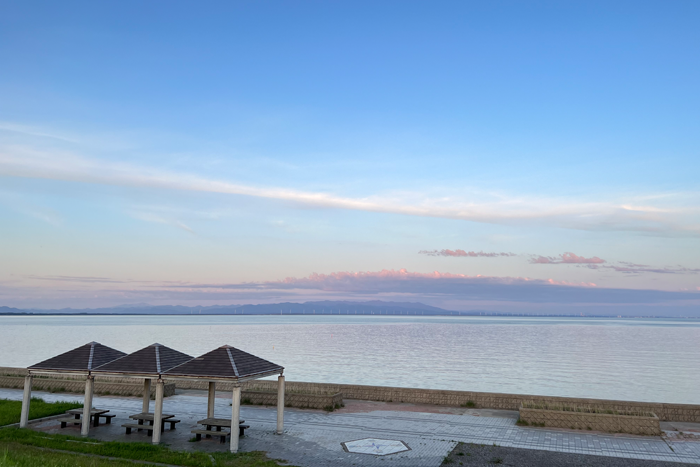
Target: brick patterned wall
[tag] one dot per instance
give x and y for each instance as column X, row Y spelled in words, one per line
column 648, row 426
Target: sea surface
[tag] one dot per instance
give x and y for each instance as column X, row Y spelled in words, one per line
column 629, row 359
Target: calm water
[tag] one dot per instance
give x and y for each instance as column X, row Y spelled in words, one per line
column 644, row 360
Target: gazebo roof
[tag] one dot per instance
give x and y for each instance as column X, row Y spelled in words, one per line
column 226, row 362
column 152, row 360
column 84, row 358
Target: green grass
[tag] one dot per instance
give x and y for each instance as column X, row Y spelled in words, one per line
column 132, row 450
column 17, row 455
column 10, row 410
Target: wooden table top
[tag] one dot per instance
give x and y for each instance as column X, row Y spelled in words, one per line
column 92, row 411
column 149, row 416
column 225, row 422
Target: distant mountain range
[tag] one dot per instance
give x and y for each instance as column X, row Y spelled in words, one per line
column 375, row 307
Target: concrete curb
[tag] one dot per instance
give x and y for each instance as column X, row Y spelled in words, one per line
column 35, row 420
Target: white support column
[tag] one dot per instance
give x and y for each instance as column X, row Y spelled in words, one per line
column 235, row 417
column 212, row 399
column 146, row 396
column 26, row 401
column 87, row 406
column 280, row 404
column 158, row 413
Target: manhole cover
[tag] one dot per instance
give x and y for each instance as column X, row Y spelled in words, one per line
column 377, row 447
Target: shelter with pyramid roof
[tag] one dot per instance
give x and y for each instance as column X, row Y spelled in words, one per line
column 229, row 364
column 82, row 361
column 223, row 364
column 151, row 361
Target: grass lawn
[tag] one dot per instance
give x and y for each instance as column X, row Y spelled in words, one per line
column 10, row 410
column 17, row 455
column 10, row 438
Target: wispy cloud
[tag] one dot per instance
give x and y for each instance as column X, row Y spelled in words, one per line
column 29, row 209
column 151, row 217
column 462, row 253
column 86, row 279
column 566, row 258
column 371, row 282
column 585, row 215
column 439, row 288
column 593, row 262
column 640, row 269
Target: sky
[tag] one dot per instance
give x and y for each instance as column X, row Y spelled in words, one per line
column 493, row 155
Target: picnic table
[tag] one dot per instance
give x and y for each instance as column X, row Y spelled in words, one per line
column 149, row 417
column 95, row 415
column 218, row 423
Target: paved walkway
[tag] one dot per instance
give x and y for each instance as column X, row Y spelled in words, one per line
column 313, row 438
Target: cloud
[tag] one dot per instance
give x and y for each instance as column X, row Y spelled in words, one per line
column 439, row 286
column 24, row 207
column 639, row 269
column 630, row 215
column 566, row 258
column 447, row 290
column 88, row 279
column 150, row 217
column 462, row 253
column 571, row 258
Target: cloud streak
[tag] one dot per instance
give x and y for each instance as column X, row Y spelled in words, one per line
column 640, row 269
column 601, row 216
column 566, row 258
column 450, row 291
column 150, row 217
column 461, row 253
column 448, row 286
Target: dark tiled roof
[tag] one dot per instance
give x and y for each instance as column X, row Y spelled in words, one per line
column 152, row 360
column 225, row 362
column 84, row 358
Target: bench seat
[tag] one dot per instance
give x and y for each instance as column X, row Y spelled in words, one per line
column 136, row 426
column 221, row 434
column 108, row 417
column 69, row 420
column 172, row 422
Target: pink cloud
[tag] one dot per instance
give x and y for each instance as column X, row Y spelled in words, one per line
column 338, row 278
column 566, row 258
column 639, row 268
column 462, row 253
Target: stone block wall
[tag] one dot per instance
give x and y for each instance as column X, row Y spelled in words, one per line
column 485, row 400
column 77, row 386
column 302, row 401
column 647, row 426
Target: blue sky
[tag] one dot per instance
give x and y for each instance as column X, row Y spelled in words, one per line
column 144, row 146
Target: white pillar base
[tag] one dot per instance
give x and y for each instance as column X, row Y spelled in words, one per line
column 235, row 417
column 212, row 399
column 280, row 405
column 145, row 408
column 87, row 406
column 158, row 413
column 26, row 402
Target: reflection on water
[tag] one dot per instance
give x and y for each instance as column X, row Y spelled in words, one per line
column 645, row 360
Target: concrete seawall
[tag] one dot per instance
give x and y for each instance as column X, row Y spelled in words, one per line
column 484, row 400
column 76, row 386
column 635, row 425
